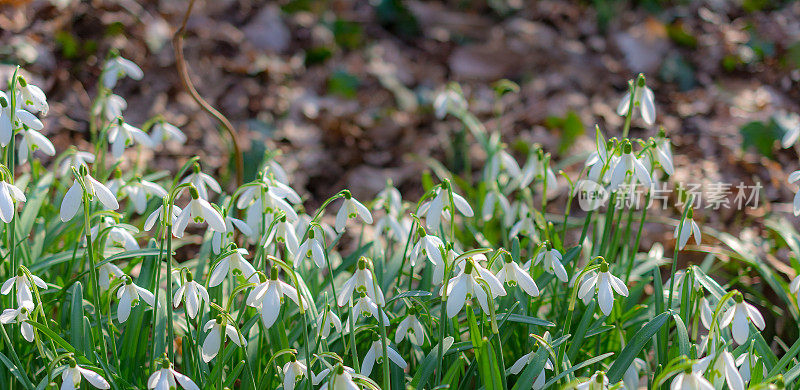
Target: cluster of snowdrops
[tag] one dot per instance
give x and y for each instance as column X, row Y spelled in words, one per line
column 428, row 294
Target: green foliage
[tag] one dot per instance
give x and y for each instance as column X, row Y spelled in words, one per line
column 570, row 126
column 762, row 136
column 343, row 84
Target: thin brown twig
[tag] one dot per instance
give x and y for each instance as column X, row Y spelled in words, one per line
column 183, row 72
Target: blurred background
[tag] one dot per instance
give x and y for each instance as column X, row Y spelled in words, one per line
column 343, row 88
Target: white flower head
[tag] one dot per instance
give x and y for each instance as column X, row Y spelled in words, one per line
column 202, row 182
column 340, row 378
column 739, row 317
column 361, row 282
column 410, row 327
column 106, row 272
column 33, row 140
column 23, row 285
column 73, row 199
column 9, row 196
column 198, row 210
column 217, row 330
column 158, row 214
column 431, row 247
column 747, row 363
column 366, row 307
column 75, row 159
column 269, row 296
column 73, row 373
column 111, row 106
column 117, row 68
column 311, row 248
column 128, row 295
column 165, row 132
column 522, row 362
column 643, row 98
column 232, row 263
column 138, row 190
column 687, row 229
column 19, row 316
column 192, row 293
column 293, row 371
column 598, row 381
column 663, row 153
column 167, row 378
column 328, row 320
column 31, row 97
column 449, row 101
column 603, row 283
column 222, row 239
column 122, row 135
column 375, row 353
column 793, row 177
column 790, row 123
column 351, row 208
column 436, row 209
column 629, row 164
column 468, row 283
column 514, row 275
column 692, row 378
column 552, row 262
column 631, row 377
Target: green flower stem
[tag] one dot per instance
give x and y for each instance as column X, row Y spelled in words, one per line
column 93, row 270
column 353, row 350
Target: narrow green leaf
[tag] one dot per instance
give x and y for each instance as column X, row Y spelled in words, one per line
column 76, row 317
column 635, row 346
column 18, row 373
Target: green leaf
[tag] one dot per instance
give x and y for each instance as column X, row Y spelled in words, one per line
column 523, row 319
column 532, row 370
column 578, row 367
column 761, row 136
column 19, row 374
column 76, row 317
column 580, row 333
column 683, row 335
column 635, row 346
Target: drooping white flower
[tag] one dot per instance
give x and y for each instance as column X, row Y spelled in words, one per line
column 202, row 182
column 23, row 285
column 327, row 320
column 664, row 154
column 193, row 294
column 33, row 140
column 198, row 210
column 340, row 378
column 293, row 371
column 466, row 284
column 726, row 366
column 217, row 330
column 72, row 374
column 794, row 287
column 105, row 272
column 117, row 68
column 790, row 123
column 686, row 229
column 19, row 316
column 311, row 248
column 366, row 307
column 119, row 234
column 793, row 177
column 122, row 135
column 437, row 208
column 631, row 377
column 514, row 275
column 361, row 281
column 9, row 195
column 111, row 106
column 6, row 120
column 522, row 362
column 603, row 283
column 449, row 101
column 681, row 280
column 128, row 295
column 137, row 191
column 375, row 352
column 628, row 163
column 706, row 314
column 165, row 132
column 525, row 224
column 534, row 169
column 552, row 262
column 643, row 98
column 75, row 160
column 284, row 233
column 747, row 363
column 692, row 378
column 222, row 239
column 502, row 161
column 411, row 327
column 268, row 297
column 598, row 381
column 492, row 199
column 739, row 316
column 166, row 379
column 232, row 262
column 73, row 199
column 351, row 208
column 31, row 97
column 429, row 246
column 157, row 214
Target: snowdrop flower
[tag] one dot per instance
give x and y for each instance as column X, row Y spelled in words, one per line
column 502, row 161
column 284, row 233
column 341, row 379
column 117, row 68
column 599, row 162
column 598, row 381
column 202, row 182
column 105, row 272
column 747, row 363
column 603, row 283
column 268, row 297
column 411, row 327
column 552, row 262
column 726, row 366
column 361, row 281
column 514, row 275
column 71, row 377
column 19, row 316
column 466, row 284
column 535, row 169
column 192, row 293
column 23, row 285
column 790, row 123
column 122, row 135
column 429, row 246
column 686, row 229
column 33, row 140
column 437, row 208
column 156, row 215
column 112, row 107
column 390, row 199
column 643, row 98
column 376, row 352
column 73, row 199
column 351, row 208
column 393, row 227
column 221, row 239
column 198, row 210
column 628, row 163
column 523, row 362
column 75, row 160
column 706, row 313
column 293, row 371
column 32, row 97
column 493, row 198
column 367, row 307
column 138, row 190
column 449, row 101
column 128, row 295
column 326, row 320
column 217, row 329
column 692, row 379
column 311, row 248
column 117, row 233
column 793, row 177
column 163, row 132
column 166, row 378
column 233, row 262
column 6, row 127
column 9, row 195
column 738, row 316
column 631, row 377
column 664, row 153
column 681, row 279
column 794, row 287
column 525, row 225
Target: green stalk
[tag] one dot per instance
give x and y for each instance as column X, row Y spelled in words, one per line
column 93, row 271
